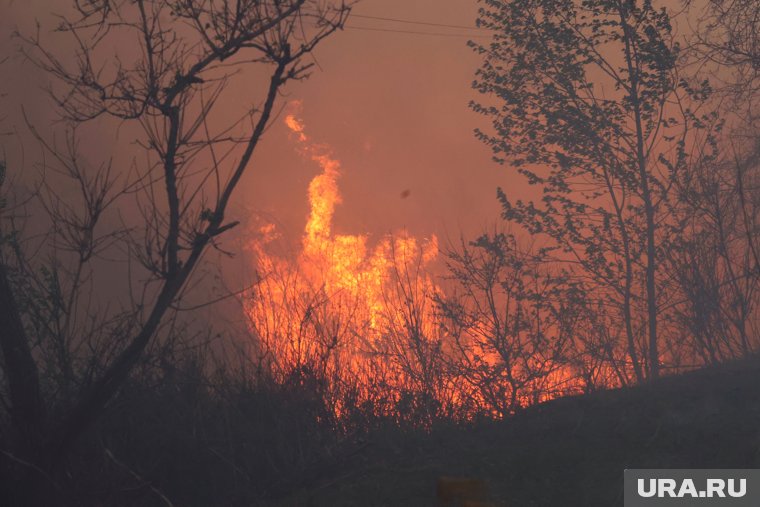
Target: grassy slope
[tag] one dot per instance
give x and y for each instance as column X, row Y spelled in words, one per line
column 567, row 452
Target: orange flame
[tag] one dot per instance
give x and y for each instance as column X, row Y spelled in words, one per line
column 335, row 302
column 360, row 316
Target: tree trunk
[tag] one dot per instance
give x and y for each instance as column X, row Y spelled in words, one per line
column 646, row 196
column 21, row 371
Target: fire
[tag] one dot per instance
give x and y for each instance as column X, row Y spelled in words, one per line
column 343, row 264
column 359, row 318
column 333, row 306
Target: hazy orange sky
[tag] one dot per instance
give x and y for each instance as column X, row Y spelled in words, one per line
column 392, row 105
column 394, row 108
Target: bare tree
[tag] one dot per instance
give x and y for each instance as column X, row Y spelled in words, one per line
column 725, row 44
column 411, row 343
column 509, row 324
column 174, row 62
column 715, row 265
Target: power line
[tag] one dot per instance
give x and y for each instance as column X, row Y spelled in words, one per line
column 424, row 23
column 411, row 32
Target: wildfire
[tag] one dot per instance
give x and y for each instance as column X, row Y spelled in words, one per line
column 360, row 318
column 335, row 305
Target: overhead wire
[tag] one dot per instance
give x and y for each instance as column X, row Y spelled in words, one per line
column 412, row 32
column 479, row 32
column 423, row 23
column 389, row 29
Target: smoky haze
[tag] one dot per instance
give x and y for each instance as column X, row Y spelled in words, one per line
column 224, row 283
column 392, row 106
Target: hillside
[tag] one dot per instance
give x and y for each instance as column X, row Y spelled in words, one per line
column 569, row 451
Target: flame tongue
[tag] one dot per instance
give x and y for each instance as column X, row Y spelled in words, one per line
column 336, row 300
column 359, row 316
column 341, row 262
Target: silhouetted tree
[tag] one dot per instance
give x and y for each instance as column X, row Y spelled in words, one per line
column 587, row 102
column 724, row 40
column 163, row 66
column 510, row 323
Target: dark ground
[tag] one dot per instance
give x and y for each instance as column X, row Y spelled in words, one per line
column 566, row 452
